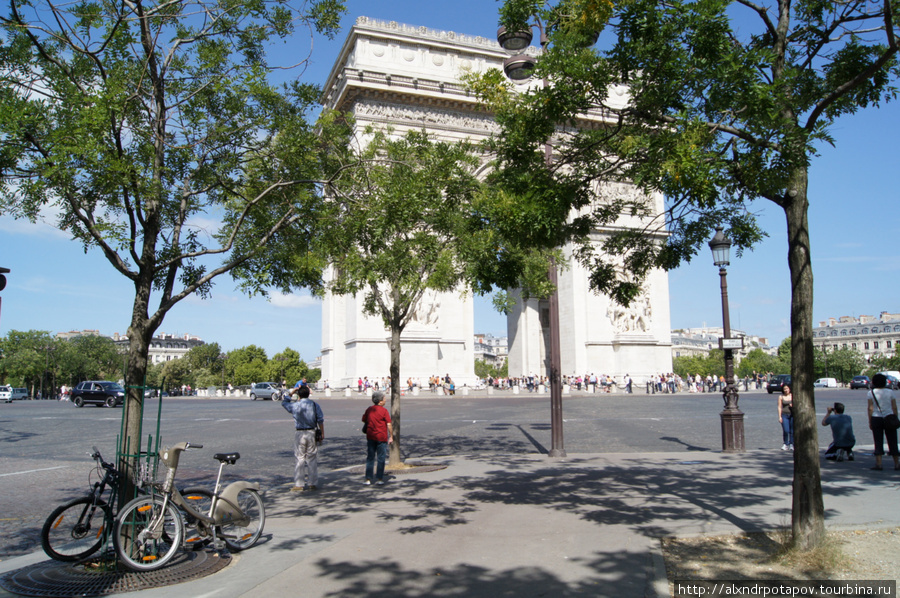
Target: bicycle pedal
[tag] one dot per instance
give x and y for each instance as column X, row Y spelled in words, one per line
column 219, row 545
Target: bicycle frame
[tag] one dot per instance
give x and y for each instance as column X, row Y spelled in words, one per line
column 223, row 509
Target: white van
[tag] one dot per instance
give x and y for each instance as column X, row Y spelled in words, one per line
column 10, row 394
column 826, row 383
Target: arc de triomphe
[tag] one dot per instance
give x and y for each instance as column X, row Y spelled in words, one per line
column 405, row 77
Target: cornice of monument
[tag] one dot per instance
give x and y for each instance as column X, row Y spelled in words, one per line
column 360, row 65
column 421, row 63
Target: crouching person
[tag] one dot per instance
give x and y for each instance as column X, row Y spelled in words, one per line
column 842, row 432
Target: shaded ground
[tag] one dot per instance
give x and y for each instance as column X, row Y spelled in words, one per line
column 869, row 554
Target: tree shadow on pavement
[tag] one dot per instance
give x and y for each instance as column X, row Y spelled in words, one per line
column 650, row 499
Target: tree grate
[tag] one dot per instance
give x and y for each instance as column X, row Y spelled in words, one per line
column 52, row 579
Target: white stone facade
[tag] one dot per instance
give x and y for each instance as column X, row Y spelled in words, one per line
column 408, row 78
column 870, row 335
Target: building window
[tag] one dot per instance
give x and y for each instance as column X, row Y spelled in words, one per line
column 889, row 344
column 844, row 346
column 852, row 345
column 875, row 345
column 834, row 347
column 853, row 331
column 843, row 333
column 865, row 331
column 866, row 346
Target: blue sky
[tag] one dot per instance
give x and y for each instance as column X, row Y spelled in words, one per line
column 55, row 286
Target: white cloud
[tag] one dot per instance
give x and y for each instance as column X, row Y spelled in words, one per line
column 293, row 301
column 41, row 228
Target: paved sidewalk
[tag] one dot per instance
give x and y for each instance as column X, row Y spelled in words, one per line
column 585, row 525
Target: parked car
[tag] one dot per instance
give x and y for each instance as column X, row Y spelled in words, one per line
column 10, row 394
column 98, row 392
column 826, row 383
column 893, row 379
column 860, row 382
column 776, row 382
column 263, row 390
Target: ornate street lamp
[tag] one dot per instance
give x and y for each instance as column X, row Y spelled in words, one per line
column 732, row 417
column 519, row 68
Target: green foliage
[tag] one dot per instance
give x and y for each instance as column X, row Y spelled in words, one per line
column 246, row 365
column 91, row 357
column 711, row 364
column 25, row 357
column 205, row 356
column 483, row 369
column 34, row 356
column 759, row 361
column 154, row 132
column 400, row 222
column 287, row 366
column 843, row 364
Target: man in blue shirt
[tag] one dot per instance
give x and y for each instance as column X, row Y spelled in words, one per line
column 842, row 432
column 307, row 416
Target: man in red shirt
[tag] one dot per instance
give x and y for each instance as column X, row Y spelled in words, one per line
column 379, row 434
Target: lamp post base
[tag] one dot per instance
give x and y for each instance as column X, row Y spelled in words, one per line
column 732, row 430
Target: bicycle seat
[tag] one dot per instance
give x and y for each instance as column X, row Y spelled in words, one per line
column 230, row 458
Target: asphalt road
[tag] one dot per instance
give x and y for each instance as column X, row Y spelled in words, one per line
column 44, row 445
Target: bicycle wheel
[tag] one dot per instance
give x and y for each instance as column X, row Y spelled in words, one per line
column 200, row 499
column 147, row 536
column 239, row 537
column 74, row 531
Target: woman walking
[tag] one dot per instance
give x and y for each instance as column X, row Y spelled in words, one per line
column 881, row 403
column 786, row 417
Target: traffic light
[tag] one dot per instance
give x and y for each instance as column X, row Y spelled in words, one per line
column 3, row 273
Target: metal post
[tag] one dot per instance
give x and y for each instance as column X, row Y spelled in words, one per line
column 732, row 417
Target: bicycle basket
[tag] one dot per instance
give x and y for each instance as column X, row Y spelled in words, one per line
column 147, row 470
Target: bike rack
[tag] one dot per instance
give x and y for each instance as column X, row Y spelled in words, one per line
column 143, row 462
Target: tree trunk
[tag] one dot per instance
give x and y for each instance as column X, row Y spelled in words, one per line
column 808, row 509
column 395, row 394
column 139, row 334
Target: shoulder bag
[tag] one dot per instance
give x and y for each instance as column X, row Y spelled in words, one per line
column 891, row 421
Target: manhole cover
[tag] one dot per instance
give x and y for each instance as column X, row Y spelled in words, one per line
column 52, row 579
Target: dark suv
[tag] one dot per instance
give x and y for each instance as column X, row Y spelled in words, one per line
column 98, row 392
column 777, row 382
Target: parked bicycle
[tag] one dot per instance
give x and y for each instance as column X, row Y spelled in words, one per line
column 76, row 530
column 149, row 529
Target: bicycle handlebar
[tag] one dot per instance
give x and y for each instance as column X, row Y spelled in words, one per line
column 192, row 445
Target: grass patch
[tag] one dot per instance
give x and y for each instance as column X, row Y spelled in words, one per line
column 826, row 558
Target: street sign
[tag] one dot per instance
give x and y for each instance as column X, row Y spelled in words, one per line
column 731, row 343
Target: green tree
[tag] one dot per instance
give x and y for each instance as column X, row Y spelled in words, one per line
column 711, row 364
column 247, row 365
column 287, row 366
column 137, row 121
column 177, row 373
column 399, row 226
column 205, row 356
column 843, row 363
column 90, row 357
column 727, row 102
column 26, row 358
column 759, row 361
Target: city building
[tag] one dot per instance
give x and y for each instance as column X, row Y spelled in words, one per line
column 491, row 349
column 687, row 342
column 870, row 335
column 163, row 347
